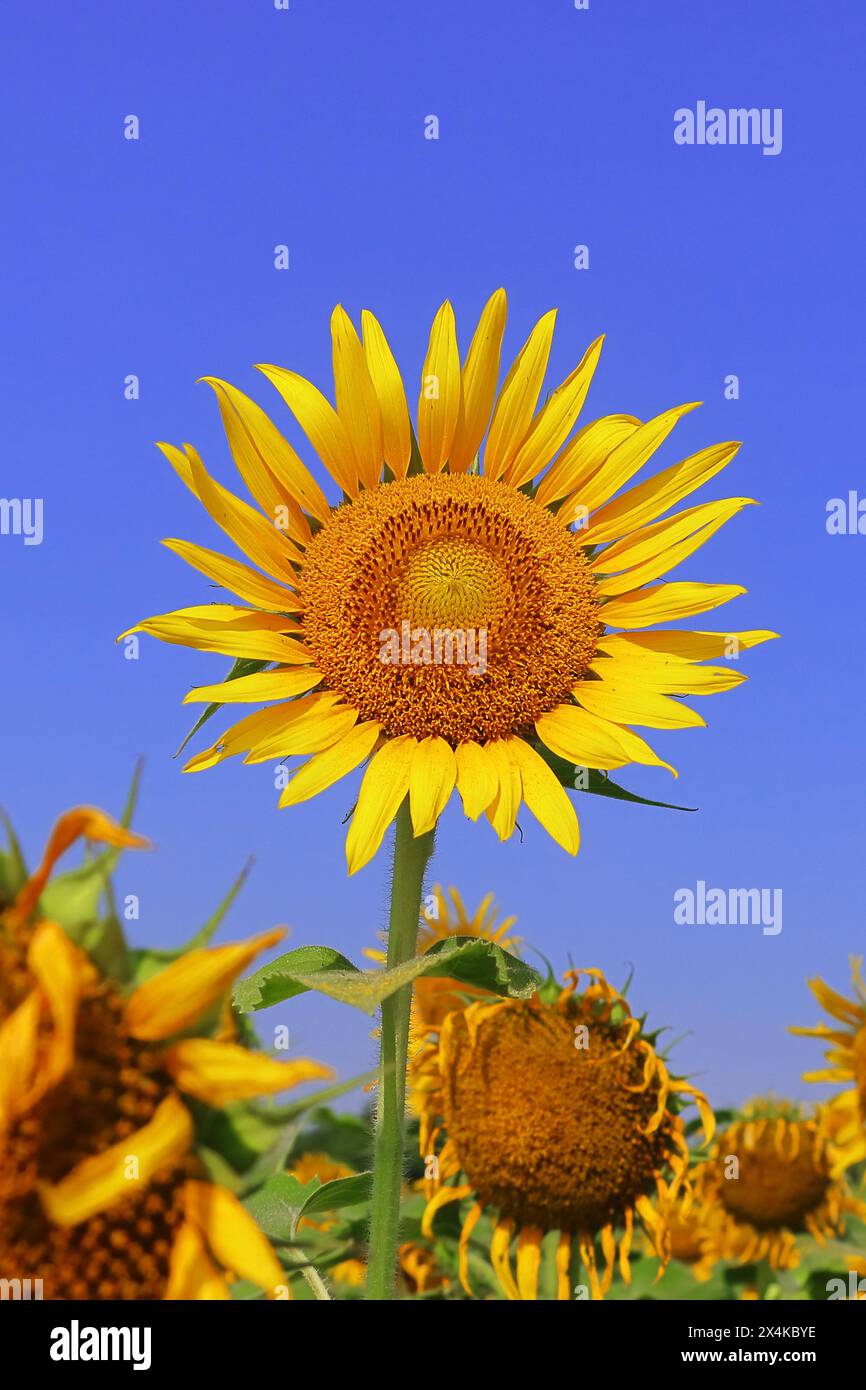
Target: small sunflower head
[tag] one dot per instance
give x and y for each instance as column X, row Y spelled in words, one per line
column 560, row 1116
column 846, row 1064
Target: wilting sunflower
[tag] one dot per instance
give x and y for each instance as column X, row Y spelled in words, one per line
column 847, row 1062
column 451, row 616
column 102, row 1195
column 694, row 1231
column 770, row 1172
column 556, row 1116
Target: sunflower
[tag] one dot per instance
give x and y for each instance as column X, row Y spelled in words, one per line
column 770, row 1172
column 847, row 1062
column 102, row 1195
column 557, row 1115
column 452, row 619
column 694, row 1231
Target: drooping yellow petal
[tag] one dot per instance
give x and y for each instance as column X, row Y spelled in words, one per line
column 320, row 423
column 440, row 1199
column 318, row 724
column 236, row 577
column 584, row 456
column 663, row 603
column 245, row 734
column 528, row 1262
column 546, row 797
column 472, row 1218
column 502, row 812
column 480, row 375
column 555, row 421
column 835, row 1004
column 589, row 741
column 667, row 557
column 512, row 415
column 441, row 391
column 61, row 970
column 499, row 1258
column 630, row 456
column 264, row 457
column 86, row 821
column 334, row 762
column 674, row 677
column 682, row 644
column 233, row 1236
column 262, row 685
column 477, row 779
column 169, row 1002
column 432, row 775
column 563, row 1267
column 396, row 426
column 385, row 784
column 357, row 402
column 192, row 1274
column 658, row 494
column 125, row 1168
column 19, row 1043
column 222, row 1072
column 632, row 704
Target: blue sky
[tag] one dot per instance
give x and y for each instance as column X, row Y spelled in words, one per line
column 306, row 127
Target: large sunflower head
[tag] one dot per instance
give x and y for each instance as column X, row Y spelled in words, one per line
column 102, row 1194
column 555, row 1115
column 846, row 1062
column 771, row 1173
column 471, row 601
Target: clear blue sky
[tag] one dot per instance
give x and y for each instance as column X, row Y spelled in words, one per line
column 305, row 127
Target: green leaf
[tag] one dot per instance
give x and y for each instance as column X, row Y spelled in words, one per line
column 339, row 1193
column 243, row 666
column 277, row 1205
column 467, row 960
column 589, row 779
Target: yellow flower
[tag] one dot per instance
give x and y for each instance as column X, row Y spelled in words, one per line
column 557, row 1117
column 442, row 620
column 846, row 1056
column 101, row 1194
column 770, row 1172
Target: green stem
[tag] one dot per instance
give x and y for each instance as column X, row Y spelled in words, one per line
column 410, row 861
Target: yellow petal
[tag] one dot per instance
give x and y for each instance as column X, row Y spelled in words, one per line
column 441, row 389
column 81, row 821
column 588, row 741
column 388, row 383
column 667, row 557
column 385, row 784
column 518, row 398
column 632, row 704
column 122, row 1170
column 502, row 1233
column 682, row 645
column 357, row 403
column 658, row 494
column 320, row 722
column 584, row 456
column 236, row 577
column 192, row 1274
column 502, row 812
column 674, row 677
column 649, row 541
column 222, row 1072
column 555, row 421
column 477, row 779
column 245, row 734
column 480, row 375
column 214, row 626
column 19, row 1042
column 432, row 776
column 546, row 797
column 320, row 423
column 528, row 1262
column 262, row 685
column 263, row 456
column 233, row 1236
column 630, row 456
column 334, row 762
column 663, row 603
column 257, row 536
column 61, row 970
column 175, row 998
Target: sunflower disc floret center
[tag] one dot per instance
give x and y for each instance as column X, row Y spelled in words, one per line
column 443, row 554
column 548, row 1132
